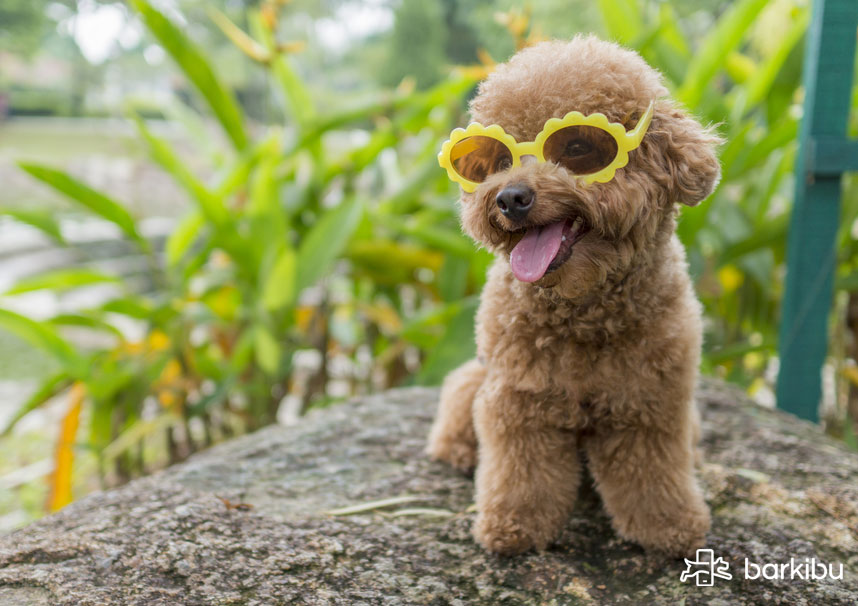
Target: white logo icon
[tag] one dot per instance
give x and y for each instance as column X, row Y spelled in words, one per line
column 705, row 567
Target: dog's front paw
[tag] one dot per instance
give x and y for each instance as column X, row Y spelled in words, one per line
column 680, row 536
column 461, row 454
column 689, row 533
column 506, row 535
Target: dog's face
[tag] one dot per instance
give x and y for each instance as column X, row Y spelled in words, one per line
column 556, row 231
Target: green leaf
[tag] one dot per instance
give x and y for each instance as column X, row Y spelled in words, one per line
column 196, row 68
column 426, row 328
column 294, row 91
column 242, row 354
column 761, row 83
column 389, row 262
column 42, row 220
column 61, row 280
column 325, row 241
column 456, row 346
column 237, row 174
column 263, row 187
column 133, row 307
column 268, row 218
column 100, row 423
column 279, row 287
column 446, row 239
column 453, row 278
column 849, row 282
column 711, row 57
column 654, row 47
column 239, row 37
column 48, row 389
column 95, row 201
column 622, row 19
column 758, row 266
column 211, row 205
column 670, row 32
column 183, row 237
column 267, row 350
column 479, row 266
column 358, row 113
column 736, row 350
column 44, row 337
column 740, row 67
column 414, row 184
column 744, row 156
column 86, row 321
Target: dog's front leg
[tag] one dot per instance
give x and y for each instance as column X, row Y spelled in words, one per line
column 452, row 438
column 646, row 478
column 527, row 475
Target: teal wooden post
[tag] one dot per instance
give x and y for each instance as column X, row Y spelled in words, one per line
column 824, row 154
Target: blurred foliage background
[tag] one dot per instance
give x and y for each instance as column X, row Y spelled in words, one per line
column 217, row 215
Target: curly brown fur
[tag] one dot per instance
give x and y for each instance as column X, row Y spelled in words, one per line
column 601, row 353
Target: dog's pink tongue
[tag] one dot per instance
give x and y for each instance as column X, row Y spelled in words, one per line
column 533, row 254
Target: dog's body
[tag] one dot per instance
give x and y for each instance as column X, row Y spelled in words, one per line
column 601, row 353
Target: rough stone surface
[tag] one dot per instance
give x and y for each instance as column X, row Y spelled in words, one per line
column 777, row 487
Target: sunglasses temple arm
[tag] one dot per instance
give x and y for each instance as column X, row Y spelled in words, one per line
column 637, row 135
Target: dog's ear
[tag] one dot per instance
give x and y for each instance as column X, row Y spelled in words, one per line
column 685, row 151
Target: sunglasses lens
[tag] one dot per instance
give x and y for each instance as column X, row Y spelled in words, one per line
column 581, row 149
column 475, row 158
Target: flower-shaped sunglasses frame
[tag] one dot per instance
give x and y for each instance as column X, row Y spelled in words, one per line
column 626, row 141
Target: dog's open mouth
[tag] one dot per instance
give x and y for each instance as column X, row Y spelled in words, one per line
column 544, row 248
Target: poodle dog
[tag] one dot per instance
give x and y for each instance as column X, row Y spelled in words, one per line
column 588, row 331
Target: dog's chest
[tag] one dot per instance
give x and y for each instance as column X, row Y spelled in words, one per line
column 570, row 369
column 538, row 354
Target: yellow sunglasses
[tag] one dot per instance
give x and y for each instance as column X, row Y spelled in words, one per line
column 588, row 146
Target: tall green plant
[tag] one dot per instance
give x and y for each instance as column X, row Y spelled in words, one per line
column 302, row 240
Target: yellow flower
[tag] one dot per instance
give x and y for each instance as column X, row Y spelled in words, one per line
column 730, row 278
column 303, row 317
column 169, row 385
column 157, row 341
column 61, row 478
column 167, row 398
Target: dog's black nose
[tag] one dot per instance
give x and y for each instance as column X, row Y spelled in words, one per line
column 515, row 201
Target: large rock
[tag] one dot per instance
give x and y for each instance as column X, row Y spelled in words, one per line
column 778, row 488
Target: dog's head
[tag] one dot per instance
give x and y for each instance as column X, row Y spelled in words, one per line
column 557, row 231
